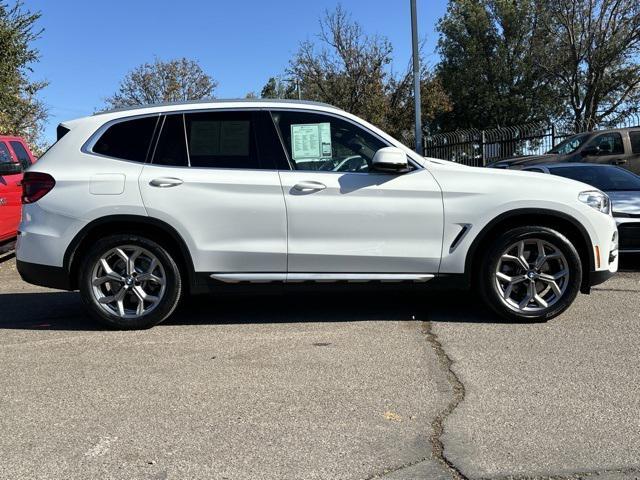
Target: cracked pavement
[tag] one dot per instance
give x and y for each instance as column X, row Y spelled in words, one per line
column 393, row 386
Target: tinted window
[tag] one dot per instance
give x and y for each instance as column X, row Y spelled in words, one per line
column 22, row 154
column 128, row 140
column 608, row 143
column 172, row 145
column 326, row 143
column 221, row 140
column 569, row 145
column 606, row 178
column 635, row 141
column 5, row 156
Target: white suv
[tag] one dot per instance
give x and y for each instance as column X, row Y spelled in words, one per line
column 137, row 207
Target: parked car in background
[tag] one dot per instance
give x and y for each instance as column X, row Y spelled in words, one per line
column 137, row 207
column 613, row 147
column 15, row 157
column 623, row 188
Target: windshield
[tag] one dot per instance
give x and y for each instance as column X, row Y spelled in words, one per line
column 570, row 145
column 606, row 178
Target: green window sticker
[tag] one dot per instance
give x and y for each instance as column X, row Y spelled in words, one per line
column 311, row 140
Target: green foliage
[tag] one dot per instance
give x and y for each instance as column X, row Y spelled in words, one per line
column 277, row 88
column 489, row 64
column 21, row 113
column 347, row 68
column 591, row 52
column 507, row 62
column 171, row 81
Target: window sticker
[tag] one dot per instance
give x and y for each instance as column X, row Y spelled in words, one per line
column 311, row 140
column 214, row 138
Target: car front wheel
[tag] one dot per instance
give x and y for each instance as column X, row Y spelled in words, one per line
column 531, row 274
column 129, row 282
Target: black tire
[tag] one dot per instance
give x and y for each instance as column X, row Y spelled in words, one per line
column 493, row 288
column 168, row 293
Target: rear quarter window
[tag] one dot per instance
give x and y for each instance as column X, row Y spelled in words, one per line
column 127, row 140
column 22, row 154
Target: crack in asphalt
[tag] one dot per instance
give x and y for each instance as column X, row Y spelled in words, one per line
column 437, row 424
column 389, row 471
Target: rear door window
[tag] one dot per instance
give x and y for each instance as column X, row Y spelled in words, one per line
column 222, row 140
column 21, row 153
column 635, row 141
column 127, row 140
column 5, row 155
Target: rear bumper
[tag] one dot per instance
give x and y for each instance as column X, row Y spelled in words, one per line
column 44, row 275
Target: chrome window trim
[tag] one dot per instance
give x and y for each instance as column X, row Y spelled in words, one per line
column 87, row 147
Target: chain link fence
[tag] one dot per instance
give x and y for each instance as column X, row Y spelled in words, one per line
column 479, row 147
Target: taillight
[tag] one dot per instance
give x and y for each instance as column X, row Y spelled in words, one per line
column 36, row 185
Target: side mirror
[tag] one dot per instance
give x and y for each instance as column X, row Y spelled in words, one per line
column 588, row 151
column 11, row 168
column 390, row 160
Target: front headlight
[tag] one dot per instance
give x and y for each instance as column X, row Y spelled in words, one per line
column 596, row 199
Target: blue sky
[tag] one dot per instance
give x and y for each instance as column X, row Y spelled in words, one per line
column 88, row 46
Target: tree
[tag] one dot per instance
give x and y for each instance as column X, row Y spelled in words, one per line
column 591, row 54
column 21, row 113
column 489, row 65
column 174, row 80
column 277, row 88
column 352, row 70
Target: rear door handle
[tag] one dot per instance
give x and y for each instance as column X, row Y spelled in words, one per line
column 165, row 182
column 309, row 186
column 619, row 161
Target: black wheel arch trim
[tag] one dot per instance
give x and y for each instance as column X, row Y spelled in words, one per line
column 482, row 235
column 70, row 254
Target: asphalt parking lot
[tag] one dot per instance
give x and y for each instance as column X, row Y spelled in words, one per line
column 347, row 386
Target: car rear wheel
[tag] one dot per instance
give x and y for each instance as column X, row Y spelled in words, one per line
column 531, row 274
column 130, row 282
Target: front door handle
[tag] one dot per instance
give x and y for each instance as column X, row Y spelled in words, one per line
column 619, row 161
column 309, row 186
column 165, row 182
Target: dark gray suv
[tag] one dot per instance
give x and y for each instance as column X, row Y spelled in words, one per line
column 616, row 147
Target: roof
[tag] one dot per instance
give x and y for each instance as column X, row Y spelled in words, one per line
column 216, row 101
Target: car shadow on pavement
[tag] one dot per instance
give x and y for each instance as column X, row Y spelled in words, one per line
column 64, row 310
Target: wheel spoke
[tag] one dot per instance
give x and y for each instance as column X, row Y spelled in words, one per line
column 520, row 261
column 149, row 277
column 540, row 301
column 142, row 295
column 116, row 297
column 528, row 297
column 551, row 281
column 109, row 277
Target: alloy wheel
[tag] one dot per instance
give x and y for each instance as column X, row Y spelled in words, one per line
column 128, row 281
column 532, row 275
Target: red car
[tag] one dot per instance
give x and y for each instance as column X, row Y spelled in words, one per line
column 15, row 157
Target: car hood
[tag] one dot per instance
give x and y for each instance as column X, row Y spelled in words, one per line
column 625, row 202
column 526, row 160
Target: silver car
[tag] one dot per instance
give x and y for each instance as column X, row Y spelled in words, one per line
column 622, row 186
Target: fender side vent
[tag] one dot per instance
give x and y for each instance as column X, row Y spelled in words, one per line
column 461, row 234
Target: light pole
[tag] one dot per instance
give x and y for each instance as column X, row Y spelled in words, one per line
column 416, row 76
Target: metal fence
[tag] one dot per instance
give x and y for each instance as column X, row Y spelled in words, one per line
column 480, row 147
